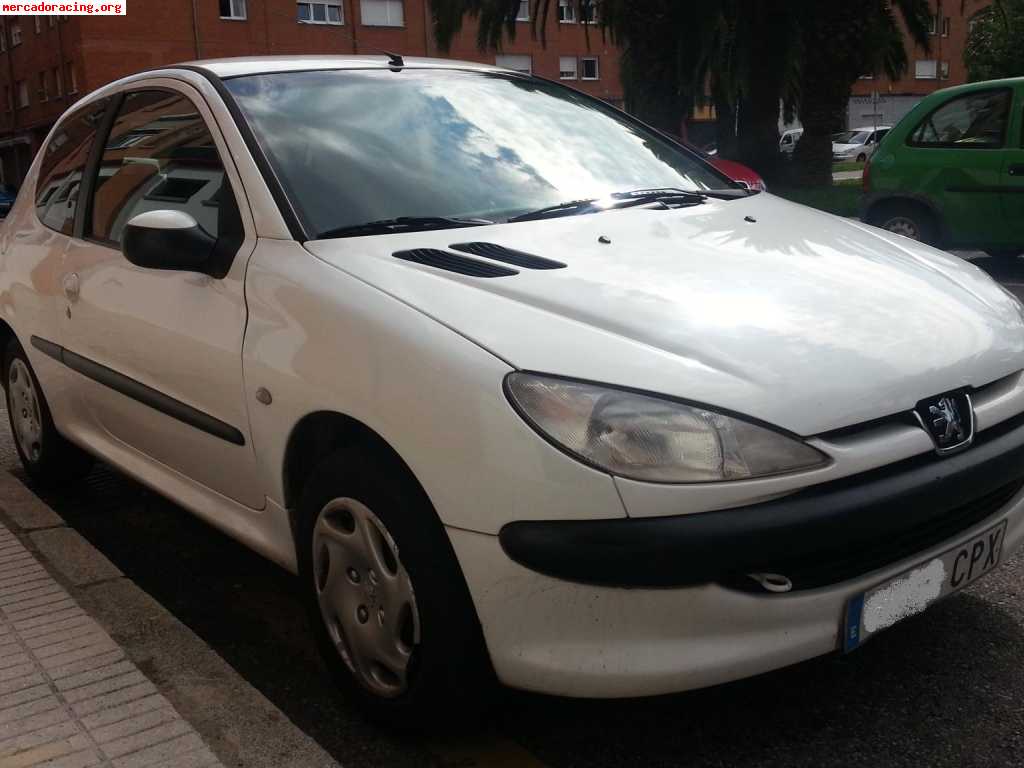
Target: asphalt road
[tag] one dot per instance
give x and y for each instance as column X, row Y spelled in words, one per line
column 945, row 688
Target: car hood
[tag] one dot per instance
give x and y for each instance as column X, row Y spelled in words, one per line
column 846, row 147
column 758, row 305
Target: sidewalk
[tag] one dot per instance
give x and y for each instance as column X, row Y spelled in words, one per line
column 68, row 695
column 847, row 175
column 93, row 672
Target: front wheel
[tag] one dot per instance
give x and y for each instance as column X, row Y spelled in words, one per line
column 47, row 457
column 385, row 595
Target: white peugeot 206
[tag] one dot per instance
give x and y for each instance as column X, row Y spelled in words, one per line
column 521, row 389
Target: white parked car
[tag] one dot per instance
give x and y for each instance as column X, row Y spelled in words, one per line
column 788, row 141
column 519, row 388
column 858, row 143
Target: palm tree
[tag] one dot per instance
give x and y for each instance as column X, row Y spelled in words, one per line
column 842, row 41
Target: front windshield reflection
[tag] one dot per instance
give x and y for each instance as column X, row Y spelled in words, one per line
column 365, row 145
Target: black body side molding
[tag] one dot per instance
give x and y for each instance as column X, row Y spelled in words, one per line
column 139, row 392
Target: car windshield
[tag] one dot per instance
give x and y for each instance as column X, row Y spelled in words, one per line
column 354, row 148
column 851, row 137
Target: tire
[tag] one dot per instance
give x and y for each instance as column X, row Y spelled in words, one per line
column 861, row 158
column 48, row 458
column 909, row 220
column 355, row 591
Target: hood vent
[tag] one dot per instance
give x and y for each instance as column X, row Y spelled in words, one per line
column 452, row 262
column 507, row 255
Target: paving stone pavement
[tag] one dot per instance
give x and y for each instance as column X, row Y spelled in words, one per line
column 69, row 697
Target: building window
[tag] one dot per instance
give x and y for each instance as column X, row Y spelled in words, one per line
column 523, row 14
column 15, row 34
column 591, row 70
column 382, row 13
column 938, row 25
column 51, row 20
column 22, row 94
column 44, row 94
column 567, row 68
column 567, row 11
column 944, row 70
column 320, row 13
column 232, row 9
column 58, row 82
column 39, row 23
column 926, row 69
column 71, row 79
column 516, row 61
column 588, row 13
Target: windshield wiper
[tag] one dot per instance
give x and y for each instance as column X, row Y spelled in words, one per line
column 671, row 197
column 402, row 224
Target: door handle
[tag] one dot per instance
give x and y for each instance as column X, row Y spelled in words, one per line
column 1017, row 169
column 72, row 286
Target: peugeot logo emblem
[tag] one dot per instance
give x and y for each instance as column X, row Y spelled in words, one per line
column 948, row 419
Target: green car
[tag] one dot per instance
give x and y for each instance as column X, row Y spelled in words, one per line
column 951, row 173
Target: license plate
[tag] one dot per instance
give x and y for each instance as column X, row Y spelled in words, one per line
column 912, row 591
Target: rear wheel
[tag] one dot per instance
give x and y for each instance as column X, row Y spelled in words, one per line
column 861, row 157
column 47, row 457
column 909, row 220
column 385, row 595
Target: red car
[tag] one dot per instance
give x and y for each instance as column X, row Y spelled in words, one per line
column 736, row 171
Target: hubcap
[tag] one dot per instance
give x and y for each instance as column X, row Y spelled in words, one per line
column 901, row 225
column 365, row 594
column 23, row 404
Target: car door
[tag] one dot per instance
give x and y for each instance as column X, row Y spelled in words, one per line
column 158, row 351
column 955, row 157
column 34, row 241
column 1012, row 197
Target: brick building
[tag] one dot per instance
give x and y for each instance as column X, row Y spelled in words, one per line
column 879, row 100
column 47, row 62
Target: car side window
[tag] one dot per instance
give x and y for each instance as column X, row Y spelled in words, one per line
column 974, row 120
column 160, row 155
column 62, row 164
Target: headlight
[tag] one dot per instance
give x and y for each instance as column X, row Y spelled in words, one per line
column 652, row 439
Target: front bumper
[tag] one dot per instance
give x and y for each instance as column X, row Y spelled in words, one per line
column 558, row 637
column 554, row 635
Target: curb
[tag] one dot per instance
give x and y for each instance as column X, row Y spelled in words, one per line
column 238, row 724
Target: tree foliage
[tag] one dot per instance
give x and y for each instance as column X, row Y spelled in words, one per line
column 995, row 45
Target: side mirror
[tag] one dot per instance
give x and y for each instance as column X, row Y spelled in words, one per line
column 167, row 240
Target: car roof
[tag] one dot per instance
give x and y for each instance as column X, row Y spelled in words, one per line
column 255, row 65
column 869, row 128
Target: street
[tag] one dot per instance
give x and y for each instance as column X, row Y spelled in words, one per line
column 942, row 689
